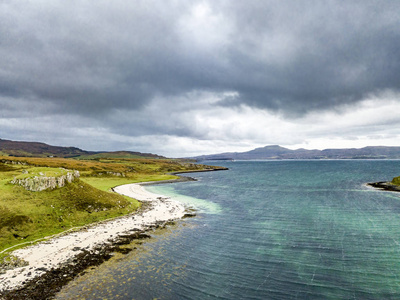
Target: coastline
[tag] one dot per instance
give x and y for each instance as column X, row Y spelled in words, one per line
column 53, row 263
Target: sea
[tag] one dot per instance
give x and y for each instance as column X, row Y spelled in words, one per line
column 281, row 229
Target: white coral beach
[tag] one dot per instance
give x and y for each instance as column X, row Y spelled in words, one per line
column 60, row 250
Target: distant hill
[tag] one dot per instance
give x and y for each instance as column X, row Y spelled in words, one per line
column 277, row 152
column 35, row 149
column 120, row 154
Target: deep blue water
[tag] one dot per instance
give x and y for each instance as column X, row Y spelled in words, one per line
column 267, row 230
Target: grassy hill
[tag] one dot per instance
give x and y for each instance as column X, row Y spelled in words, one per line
column 13, row 148
column 119, row 154
column 35, row 149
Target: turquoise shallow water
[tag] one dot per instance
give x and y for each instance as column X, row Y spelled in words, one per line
column 267, row 230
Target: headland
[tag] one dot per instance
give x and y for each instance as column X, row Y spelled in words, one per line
column 49, row 265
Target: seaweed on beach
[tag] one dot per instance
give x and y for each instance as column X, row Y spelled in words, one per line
column 47, row 285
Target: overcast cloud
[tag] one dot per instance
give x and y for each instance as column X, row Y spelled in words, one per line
column 193, row 77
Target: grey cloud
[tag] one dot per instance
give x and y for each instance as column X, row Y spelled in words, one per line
column 86, row 58
column 292, row 56
column 342, row 52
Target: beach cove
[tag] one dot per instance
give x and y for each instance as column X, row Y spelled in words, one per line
column 56, row 261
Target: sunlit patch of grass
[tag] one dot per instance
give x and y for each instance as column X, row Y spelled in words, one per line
column 26, row 216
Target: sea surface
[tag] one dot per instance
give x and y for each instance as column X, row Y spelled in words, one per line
column 266, row 230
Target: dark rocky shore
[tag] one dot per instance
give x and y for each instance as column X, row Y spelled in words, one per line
column 385, row 185
column 47, row 285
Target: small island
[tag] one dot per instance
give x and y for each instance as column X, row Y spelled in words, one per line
column 393, row 185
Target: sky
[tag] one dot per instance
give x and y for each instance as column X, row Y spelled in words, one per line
column 182, row 78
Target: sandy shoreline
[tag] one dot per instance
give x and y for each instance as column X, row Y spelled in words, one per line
column 62, row 251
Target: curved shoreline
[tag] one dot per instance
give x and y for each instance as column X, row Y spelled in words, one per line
column 53, row 263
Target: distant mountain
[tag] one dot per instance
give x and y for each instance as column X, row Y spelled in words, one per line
column 278, row 152
column 35, row 149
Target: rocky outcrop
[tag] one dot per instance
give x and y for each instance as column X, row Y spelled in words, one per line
column 41, row 183
column 384, row 185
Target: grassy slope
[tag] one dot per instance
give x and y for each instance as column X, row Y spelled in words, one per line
column 26, row 216
column 396, row 180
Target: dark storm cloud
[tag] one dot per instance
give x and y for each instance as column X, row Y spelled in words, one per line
column 293, row 56
column 334, row 52
column 86, row 58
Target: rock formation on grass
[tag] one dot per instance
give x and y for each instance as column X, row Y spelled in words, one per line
column 41, row 183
